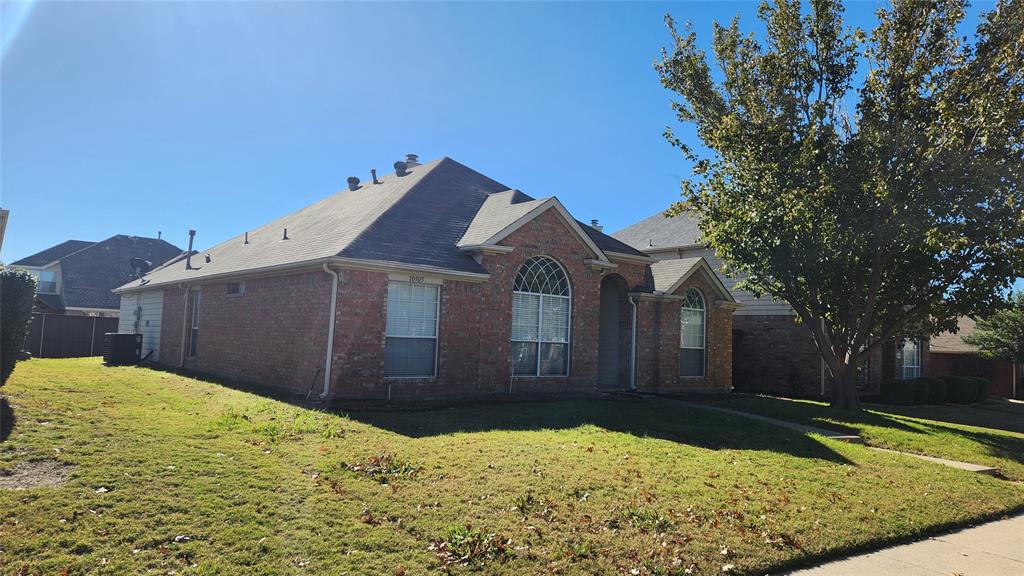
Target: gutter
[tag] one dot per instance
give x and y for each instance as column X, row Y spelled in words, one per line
column 184, row 322
column 330, row 332
column 632, row 347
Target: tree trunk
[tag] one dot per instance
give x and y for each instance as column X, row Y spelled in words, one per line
column 844, row 388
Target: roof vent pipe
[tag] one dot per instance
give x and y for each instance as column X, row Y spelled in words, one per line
column 246, row 237
column 188, row 255
column 207, row 258
column 596, row 226
column 285, row 237
column 353, row 183
column 412, row 160
column 400, row 168
column 373, row 174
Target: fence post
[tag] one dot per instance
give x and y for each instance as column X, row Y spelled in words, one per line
column 42, row 334
column 92, row 337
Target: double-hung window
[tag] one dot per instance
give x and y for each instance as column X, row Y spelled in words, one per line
column 410, row 345
column 193, row 337
column 691, row 338
column 541, row 303
column 910, row 351
column 47, row 281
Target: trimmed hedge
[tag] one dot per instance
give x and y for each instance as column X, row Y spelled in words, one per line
column 962, row 390
column 938, row 391
column 17, row 291
column 902, row 392
column 984, row 385
column 922, row 390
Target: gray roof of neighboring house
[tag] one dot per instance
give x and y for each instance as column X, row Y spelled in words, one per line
column 658, row 231
column 418, row 219
column 52, row 301
column 89, row 275
column 951, row 343
column 53, row 253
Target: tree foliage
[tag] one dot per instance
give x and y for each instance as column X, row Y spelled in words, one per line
column 17, row 291
column 882, row 209
column 1001, row 335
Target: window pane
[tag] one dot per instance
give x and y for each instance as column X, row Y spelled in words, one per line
column 554, row 359
column 525, row 316
column 691, row 362
column 555, row 324
column 692, row 328
column 524, row 358
column 412, row 309
column 409, row 356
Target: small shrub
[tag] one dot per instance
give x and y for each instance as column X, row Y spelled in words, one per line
column 984, row 385
column 647, row 520
column 17, row 291
column 902, row 392
column 961, row 390
column 937, row 391
column 462, row 545
column 886, row 391
column 383, row 468
column 922, row 390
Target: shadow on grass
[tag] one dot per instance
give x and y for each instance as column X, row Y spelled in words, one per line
column 998, row 445
column 658, row 418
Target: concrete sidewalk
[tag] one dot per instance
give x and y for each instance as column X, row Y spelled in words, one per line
column 993, row 549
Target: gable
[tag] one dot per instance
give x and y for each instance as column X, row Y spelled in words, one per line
column 668, row 276
column 547, row 224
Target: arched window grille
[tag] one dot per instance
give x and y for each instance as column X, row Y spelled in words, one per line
column 541, row 310
column 692, row 319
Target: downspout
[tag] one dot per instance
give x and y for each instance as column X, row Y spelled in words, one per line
column 632, row 346
column 330, row 332
column 184, row 322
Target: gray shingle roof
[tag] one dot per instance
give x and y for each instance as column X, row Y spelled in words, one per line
column 660, row 232
column 89, row 275
column 953, row 343
column 418, row 219
column 666, row 273
column 53, row 253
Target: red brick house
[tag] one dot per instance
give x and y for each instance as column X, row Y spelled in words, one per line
column 950, row 355
column 772, row 352
column 437, row 281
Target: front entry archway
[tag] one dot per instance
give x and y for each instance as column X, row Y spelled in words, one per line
column 613, row 348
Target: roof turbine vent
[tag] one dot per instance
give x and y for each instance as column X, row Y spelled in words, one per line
column 401, row 168
column 353, row 183
column 412, row 160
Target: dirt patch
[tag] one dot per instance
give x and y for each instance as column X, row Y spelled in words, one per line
column 35, row 475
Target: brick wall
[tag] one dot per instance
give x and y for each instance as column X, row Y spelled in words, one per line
column 275, row 333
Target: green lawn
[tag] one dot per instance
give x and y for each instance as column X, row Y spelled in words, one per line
column 897, row 430
column 175, row 474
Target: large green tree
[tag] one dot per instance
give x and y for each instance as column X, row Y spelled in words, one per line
column 872, row 181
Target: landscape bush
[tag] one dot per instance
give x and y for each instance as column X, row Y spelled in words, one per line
column 984, row 385
column 922, row 390
column 17, row 291
column 962, row 390
column 903, row 392
column 937, row 389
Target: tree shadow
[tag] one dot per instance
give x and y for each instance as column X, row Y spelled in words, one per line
column 7, row 419
column 659, row 418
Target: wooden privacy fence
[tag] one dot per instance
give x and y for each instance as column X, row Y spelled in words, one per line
column 63, row 336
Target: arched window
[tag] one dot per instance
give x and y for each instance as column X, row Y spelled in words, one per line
column 691, row 335
column 540, row 319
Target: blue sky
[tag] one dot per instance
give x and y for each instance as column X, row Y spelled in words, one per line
column 135, row 118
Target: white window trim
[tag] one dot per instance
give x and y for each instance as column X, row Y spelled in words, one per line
column 703, row 337
column 903, row 359
column 540, row 320
column 436, row 337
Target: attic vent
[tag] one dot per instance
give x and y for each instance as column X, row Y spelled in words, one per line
column 373, row 174
column 400, row 168
column 412, row 160
column 353, row 183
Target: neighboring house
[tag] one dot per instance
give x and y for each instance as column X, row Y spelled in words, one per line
column 437, row 281
column 77, row 277
column 949, row 354
column 772, row 352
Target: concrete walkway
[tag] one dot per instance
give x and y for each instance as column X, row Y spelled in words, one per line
column 993, row 549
